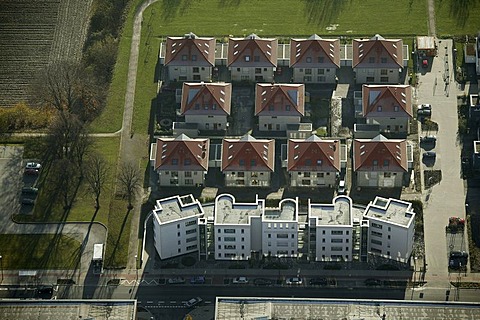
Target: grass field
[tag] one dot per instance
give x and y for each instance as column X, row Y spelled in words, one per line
column 39, row 251
column 457, row 17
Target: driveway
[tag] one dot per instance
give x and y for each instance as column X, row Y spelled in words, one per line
column 446, row 198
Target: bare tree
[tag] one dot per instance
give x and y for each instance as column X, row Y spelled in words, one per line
column 130, row 180
column 96, row 174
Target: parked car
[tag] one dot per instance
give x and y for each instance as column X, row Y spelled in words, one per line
column 373, row 282
column 294, row 280
column 193, row 302
column 33, row 165
column 425, row 106
column 428, row 139
column 197, row 280
column 425, row 63
column 263, row 282
column 45, row 289
column 318, row 282
column 341, row 189
column 458, row 260
column 240, row 280
column 28, row 202
column 29, row 190
column 32, row 172
column 424, row 112
column 176, row 280
column 429, row 155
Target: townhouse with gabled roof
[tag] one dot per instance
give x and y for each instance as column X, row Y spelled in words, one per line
column 377, row 60
column 313, row 162
column 314, row 60
column 278, row 105
column 380, row 162
column 248, row 162
column 206, row 104
column 180, row 161
column 189, row 58
column 389, row 106
column 252, row 58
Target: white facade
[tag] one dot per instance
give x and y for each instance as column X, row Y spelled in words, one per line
column 181, row 178
column 385, row 179
column 260, row 74
column 312, row 179
column 175, row 225
column 314, row 75
column 276, row 123
column 390, row 124
column 189, row 73
column 208, row 122
column 377, row 75
column 247, row 178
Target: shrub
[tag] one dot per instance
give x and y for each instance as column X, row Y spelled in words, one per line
column 188, row 261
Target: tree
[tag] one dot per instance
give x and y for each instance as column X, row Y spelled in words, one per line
column 130, row 180
column 96, row 174
column 69, row 88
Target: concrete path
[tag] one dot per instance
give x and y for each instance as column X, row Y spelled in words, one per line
column 432, row 31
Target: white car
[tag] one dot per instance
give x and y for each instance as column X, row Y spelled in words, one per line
column 192, row 302
column 240, row 280
column 176, row 280
column 33, row 165
column 295, row 280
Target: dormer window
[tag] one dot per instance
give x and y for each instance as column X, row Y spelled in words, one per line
column 287, row 107
column 308, row 162
column 321, row 59
column 247, row 58
column 309, row 59
column 194, row 57
column 386, row 162
column 396, row 108
column 379, row 108
column 383, row 60
column 253, row 163
column 241, row 162
column 174, row 162
column 375, row 163
column 319, row 162
column 256, row 58
column 184, row 57
column 214, row 106
column 197, row 106
column 187, row 162
column 271, row 107
column 371, row 60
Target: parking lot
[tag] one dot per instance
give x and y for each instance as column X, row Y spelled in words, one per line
column 10, row 182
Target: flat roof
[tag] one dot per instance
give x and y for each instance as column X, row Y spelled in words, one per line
column 232, row 308
column 68, row 309
column 228, row 211
column 335, row 214
column 425, row 42
column 390, row 210
column 287, row 211
column 177, row 207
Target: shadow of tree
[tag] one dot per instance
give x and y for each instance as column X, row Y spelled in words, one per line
column 460, row 10
column 171, row 8
column 321, row 13
column 111, row 260
column 228, row 3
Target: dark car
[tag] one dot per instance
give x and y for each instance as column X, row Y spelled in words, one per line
column 28, row 202
column 32, row 172
column 263, row 282
column 29, row 190
column 318, row 282
column 428, row 139
column 197, row 280
column 429, row 155
column 373, row 282
column 458, row 260
column 424, row 112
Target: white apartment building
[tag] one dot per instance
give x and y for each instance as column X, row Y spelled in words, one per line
column 391, row 228
column 175, row 225
column 331, row 231
column 280, row 229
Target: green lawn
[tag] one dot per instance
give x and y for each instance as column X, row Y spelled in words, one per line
column 39, row 251
column 457, row 17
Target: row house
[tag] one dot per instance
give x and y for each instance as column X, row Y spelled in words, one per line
column 189, row 58
column 278, row 105
column 380, row 162
column 313, row 162
column 389, row 106
column 377, row 60
column 232, row 230
column 206, row 104
column 248, row 161
column 252, row 58
column 180, row 161
column 314, row 60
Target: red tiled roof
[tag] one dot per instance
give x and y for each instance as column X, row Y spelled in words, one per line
column 182, row 154
column 190, row 50
column 206, row 98
column 248, row 154
column 313, row 154
column 380, row 154
column 377, row 48
column 252, row 51
column 314, row 52
column 383, row 100
column 280, row 99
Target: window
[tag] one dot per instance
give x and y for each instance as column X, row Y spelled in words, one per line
column 307, row 79
column 174, row 162
column 396, row 108
column 187, row 162
column 377, row 242
column 375, row 163
column 376, row 225
column 308, row 71
column 190, row 223
column 269, row 235
column 184, row 57
column 247, row 58
column 383, row 60
column 323, row 240
column 241, row 162
column 337, row 249
column 379, row 108
column 386, row 162
column 196, row 77
column 178, row 226
column 219, row 238
column 219, row 230
column 389, row 229
column 179, row 250
column 229, row 239
column 321, row 71
column 197, row 106
column 241, row 174
column 243, row 247
column 370, row 79
column 174, row 174
column 309, row 59
column 306, row 182
column 321, row 59
column 336, row 240
column 321, row 79
column 178, row 234
column 282, row 236
column 293, row 236
column 271, row 107
column 376, row 234
column 256, row 58
column 189, row 231
column 287, row 107
column 189, row 182
column 336, row 233
column 388, row 237
column 323, row 231
column 243, row 239
column 383, row 79
column 306, row 174
column 229, row 246
column 191, row 239
column 253, row 163
column 323, row 248
column 188, row 174
column 258, row 70
column 243, row 231
column 228, row 230
column 194, row 58
column 179, row 242
column 371, row 60
column 383, row 72
column 192, row 247
column 196, row 70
